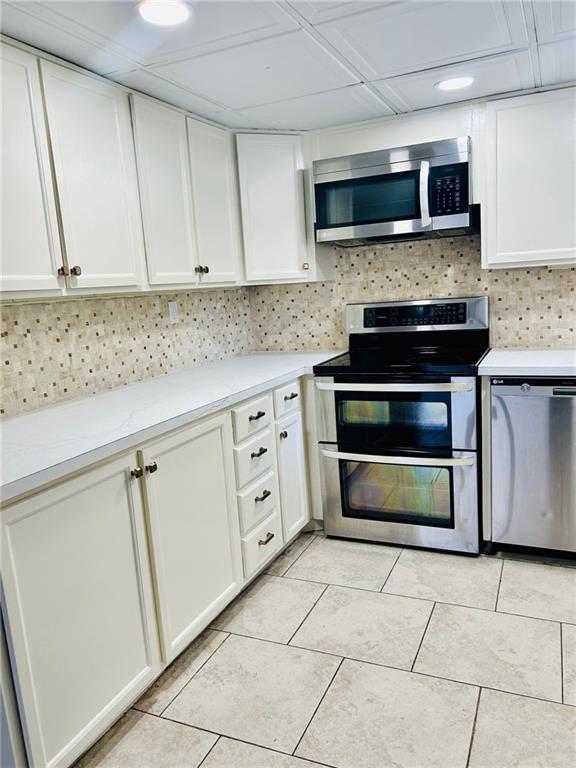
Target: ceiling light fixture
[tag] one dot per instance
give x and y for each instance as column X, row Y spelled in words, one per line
column 164, row 13
column 454, row 83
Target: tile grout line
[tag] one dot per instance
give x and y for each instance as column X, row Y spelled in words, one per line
column 306, row 548
column 561, row 664
column 390, row 571
column 318, row 706
column 320, row 596
column 498, row 592
column 473, row 728
column 422, row 638
column 208, row 753
column 282, row 575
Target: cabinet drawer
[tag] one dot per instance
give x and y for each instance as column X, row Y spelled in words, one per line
column 254, row 457
column 257, row 501
column 262, row 543
column 287, row 399
column 251, row 417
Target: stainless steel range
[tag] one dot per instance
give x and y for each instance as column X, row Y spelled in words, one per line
column 398, row 421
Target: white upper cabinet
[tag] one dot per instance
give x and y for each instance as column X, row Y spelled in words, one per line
column 216, row 203
column 93, row 151
column 165, row 191
column 272, row 197
column 529, row 209
column 30, row 240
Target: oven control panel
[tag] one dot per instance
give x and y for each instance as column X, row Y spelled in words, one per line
column 453, row 313
column 448, row 189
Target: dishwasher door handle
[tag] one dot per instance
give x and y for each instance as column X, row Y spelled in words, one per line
column 564, row 391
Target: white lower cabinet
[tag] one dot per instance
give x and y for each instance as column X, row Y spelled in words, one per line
column 79, row 609
column 292, row 473
column 194, row 531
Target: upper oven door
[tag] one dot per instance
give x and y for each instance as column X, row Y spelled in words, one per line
column 375, row 417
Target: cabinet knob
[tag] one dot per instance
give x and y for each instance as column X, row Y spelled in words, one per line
column 198, row 269
column 264, row 496
column 291, row 396
column 151, row 468
column 137, row 472
column 205, row 270
column 257, row 416
column 266, row 540
column 305, row 266
column 76, row 271
column 258, row 453
column 283, row 434
column 63, row 271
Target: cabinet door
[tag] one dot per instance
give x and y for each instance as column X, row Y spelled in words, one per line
column 79, row 605
column 194, row 529
column 272, row 194
column 93, row 150
column 216, row 202
column 292, row 474
column 530, row 200
column 30, row 240
column 163, row 173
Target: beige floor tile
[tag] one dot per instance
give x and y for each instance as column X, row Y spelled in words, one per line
column 373, row 717
column 494, row 650
column 290, row 554
column 345, row 563
column 517, row 732
column 271, row 609
column 542, row 591
column 367, row 626
column 171, row 682
column 256, row 691
column 471, row 581
column 235, row 754
column 140, row 740
column 569, row 663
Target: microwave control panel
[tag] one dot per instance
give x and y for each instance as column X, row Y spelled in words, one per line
column 448, row 189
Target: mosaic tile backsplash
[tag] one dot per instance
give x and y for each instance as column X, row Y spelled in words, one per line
column 533, row 307
column 58, row 350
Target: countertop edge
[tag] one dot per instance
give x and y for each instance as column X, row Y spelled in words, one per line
column 23, row 486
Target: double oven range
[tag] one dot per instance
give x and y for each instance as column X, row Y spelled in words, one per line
column 398, row 424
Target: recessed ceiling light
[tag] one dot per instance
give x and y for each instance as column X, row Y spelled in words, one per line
column 164, row 13
column 455, row 83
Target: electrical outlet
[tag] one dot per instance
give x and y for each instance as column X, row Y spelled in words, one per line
column 173, row 312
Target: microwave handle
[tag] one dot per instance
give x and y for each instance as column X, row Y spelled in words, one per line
column 405, row 460
column 424, row 209
column 459, row 387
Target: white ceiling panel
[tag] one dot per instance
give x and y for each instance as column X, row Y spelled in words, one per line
column 409, row 36
column 239, row 120
column 211, row 26
column 498, row 74
column 18, row 22
column 558, row 62
column 317, row 11
column 320, row 110
column 280, row 68
column 555, row 19
column 146, row 82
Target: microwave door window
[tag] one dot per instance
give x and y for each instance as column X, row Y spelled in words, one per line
column 393, row 197
column 397, row 493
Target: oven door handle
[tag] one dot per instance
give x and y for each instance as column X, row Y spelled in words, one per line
column 405, row 460
column 459, row 387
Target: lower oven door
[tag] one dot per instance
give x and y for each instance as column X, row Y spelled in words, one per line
column 422, row 501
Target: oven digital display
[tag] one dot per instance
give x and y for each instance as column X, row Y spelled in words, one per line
column 453, row 313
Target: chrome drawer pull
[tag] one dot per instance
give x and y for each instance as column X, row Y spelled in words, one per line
column 266, row 540
column 137, row 472
column 257, row 416
column 264, row 496
column 153, row 467
column 258, row 453
column 291, row 396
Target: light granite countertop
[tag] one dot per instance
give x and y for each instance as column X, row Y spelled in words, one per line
column 529, row 362
column 45, row 445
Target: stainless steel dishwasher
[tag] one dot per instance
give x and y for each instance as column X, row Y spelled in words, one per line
column 534, row 462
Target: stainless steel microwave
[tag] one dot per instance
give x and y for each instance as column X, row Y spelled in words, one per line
column 405, row 193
